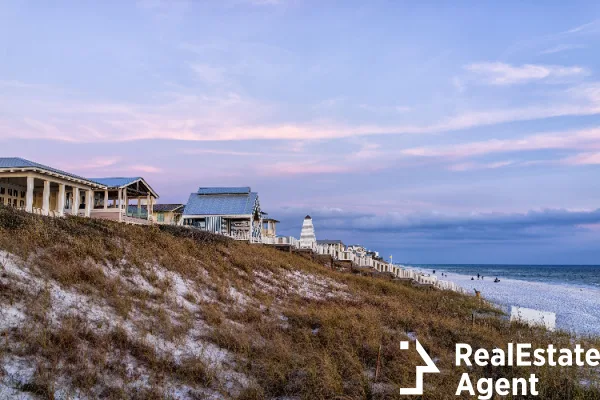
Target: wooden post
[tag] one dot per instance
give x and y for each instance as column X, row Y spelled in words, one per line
column 120, row 206
column 75, row 209
column 29, row 198
column 89, row 202
column 61, row 199
column 377, row 369
column 46, row 198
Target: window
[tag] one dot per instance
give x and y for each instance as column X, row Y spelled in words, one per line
column 22, row 203
column 1, row 200
column 160, row 217
column 15, row 202
column 10, row 192
column 22, row 194
column 2, row 190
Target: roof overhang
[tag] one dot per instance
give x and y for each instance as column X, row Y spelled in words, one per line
column 152, row 191
column 217, row 215
column 173, row 209
column 55, row 174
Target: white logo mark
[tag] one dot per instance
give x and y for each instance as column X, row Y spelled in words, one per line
column 431, row 368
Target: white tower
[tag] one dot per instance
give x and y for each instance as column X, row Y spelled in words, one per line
column 308, row 239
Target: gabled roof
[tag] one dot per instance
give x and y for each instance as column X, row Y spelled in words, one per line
column 221, row 203
column 113, row 183
column 224, row 190
column 21, row 163
column 167, row 207
column 121, row 182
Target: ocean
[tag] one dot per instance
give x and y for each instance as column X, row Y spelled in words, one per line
column 584, row 275
column 572, row 292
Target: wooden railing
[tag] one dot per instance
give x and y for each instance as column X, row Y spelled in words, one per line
column 238, row 235
column 134, row 220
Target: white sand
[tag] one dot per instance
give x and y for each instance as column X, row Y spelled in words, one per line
column 577, row 308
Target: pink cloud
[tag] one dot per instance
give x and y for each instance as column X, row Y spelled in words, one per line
column 583, row 159
column 468, row 166
column 144, row 168
column 497, row 73
column 565, row 140
column 290, row 168
column 232, row 116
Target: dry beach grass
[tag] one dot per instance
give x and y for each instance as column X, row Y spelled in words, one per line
column 95, row 309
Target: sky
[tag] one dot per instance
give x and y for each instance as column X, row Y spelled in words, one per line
column 436, row 132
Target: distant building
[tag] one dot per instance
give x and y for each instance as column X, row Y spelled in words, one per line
column 168, row 214
column 269, row 226
column 332, row 247
column 308, row 240
column 230, row 211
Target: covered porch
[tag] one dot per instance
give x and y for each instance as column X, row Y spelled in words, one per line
column 47, row 193
column 237, row 227
column 128, row 200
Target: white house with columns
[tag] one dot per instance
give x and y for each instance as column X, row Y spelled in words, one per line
column 48, row 191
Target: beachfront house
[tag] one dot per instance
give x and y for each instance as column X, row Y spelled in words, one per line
column 167, row 214
column 230, row 211
column 45, row 190
column 123, row 200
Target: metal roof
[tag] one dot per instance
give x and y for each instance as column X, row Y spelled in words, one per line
column 223, row 203
column 16, row 162
column 271, row 219
column 121, row 182
column 166, row 207
column 224, row 190
column 116, row 182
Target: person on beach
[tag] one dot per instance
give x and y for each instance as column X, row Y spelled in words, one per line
column 477, row 276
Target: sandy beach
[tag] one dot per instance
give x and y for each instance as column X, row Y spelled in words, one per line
column 577, row 308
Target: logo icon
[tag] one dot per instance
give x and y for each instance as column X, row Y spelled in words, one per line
column 429, row 368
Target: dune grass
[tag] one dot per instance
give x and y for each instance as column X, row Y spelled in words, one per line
column 286, row 326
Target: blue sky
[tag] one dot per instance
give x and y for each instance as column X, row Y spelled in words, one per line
column 436, row 132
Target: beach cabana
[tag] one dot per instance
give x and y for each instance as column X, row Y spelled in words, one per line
column 123, row 200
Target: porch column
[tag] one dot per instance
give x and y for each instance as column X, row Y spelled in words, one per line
column 89, row 199
column 148, row 208
column 126, row 200
column 139, row 206
column 60, row 201
column 119, row 205
column 46, row 198
column 75, row 209
column 106, row 199
column 29, row 196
